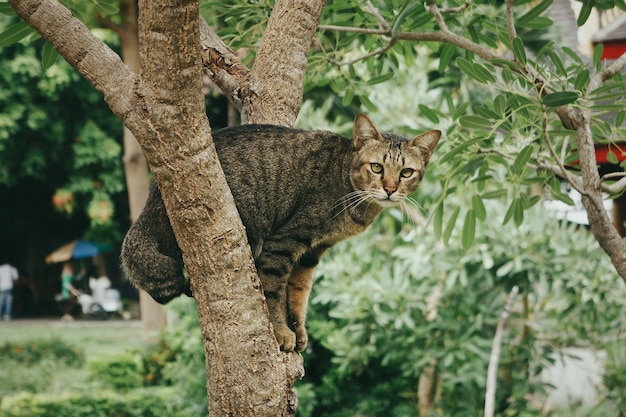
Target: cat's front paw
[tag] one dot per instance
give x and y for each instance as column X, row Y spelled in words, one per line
column 302, row 339
column 285, row 338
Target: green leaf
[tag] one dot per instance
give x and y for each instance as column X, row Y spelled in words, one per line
column 555, row 191
column 482, row 74
column 14, row 33
column 499, row 104
column 446, row 53
column 582, row 79
column 408, row 9
column 557, row 62
column 597, row 57
column 380, row 78
column 495, row 194
column 612, row 158
column 559, row 98
column 469, row 230
column 450, row 225
column 522, row 159
column 585, row 11
column 466, row 67
column 509, row 212
column 533, row 13
column 438, row 221
column 620, row 117
column 518, row 212
column 428, row 113
column 475, row 122
column 6, row 9
column 479, row 208
column 518, row 50
column 460, row 148
column 538, row 23
column 48, row 55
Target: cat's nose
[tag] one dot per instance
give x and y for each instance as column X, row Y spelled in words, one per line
column 390, row 189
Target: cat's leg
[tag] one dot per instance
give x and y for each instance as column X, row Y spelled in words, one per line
column 298, row 293
column 275, row 265
column 150, row 256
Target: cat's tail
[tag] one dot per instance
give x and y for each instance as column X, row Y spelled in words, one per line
column 150, row 256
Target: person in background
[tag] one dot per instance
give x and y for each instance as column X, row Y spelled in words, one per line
column 8, row 275
column 68, row 291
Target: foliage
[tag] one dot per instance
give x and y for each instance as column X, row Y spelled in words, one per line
column 46, row 136
column 147, row 402
column 119, row 372
column 187, row 371
column 397, row 307
column 615, row 374
column 30, row 352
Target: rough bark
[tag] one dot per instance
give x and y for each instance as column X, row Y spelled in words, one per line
column 276, row 83
column 164, row 108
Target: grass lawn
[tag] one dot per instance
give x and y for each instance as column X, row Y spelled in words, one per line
column 93, row 338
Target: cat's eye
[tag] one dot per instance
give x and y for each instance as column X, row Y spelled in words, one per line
column 406, row 172
column 376, row 168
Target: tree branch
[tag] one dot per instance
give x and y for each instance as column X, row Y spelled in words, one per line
column 276, row 87
column 222, row 65
column 494, row 359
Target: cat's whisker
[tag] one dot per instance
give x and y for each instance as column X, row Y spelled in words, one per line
column 350, row 201
column 414, row 211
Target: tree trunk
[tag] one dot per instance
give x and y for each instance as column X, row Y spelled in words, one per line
column 153, row 316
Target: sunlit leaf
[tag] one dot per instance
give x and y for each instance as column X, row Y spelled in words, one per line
column 428, row 113
column 450, row 225
column 475, row 122
column 522, row 159
column 479, row 207
column 438, row 221
column 469, row 230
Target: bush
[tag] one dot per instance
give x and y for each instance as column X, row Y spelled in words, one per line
column 120, row 372
column 31, row 352
column 146, row 402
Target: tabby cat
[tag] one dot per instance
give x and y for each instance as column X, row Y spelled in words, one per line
column 298, row 193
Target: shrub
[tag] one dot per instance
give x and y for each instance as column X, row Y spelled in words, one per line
column 146, row 402
column 120, row 372
column 34, row 351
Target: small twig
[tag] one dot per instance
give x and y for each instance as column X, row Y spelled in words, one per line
column 381, row 20
column 616, row 187
column 456, row 9
column 435, row 11
column 378, row 51
column 578, row 186
column 510, row 20
column 496, row 152
column 494, row 359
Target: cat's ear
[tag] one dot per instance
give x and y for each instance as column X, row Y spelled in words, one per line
column 426, row 142
column 364, row 130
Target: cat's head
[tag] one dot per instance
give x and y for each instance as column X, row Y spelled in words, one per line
column 387, row 168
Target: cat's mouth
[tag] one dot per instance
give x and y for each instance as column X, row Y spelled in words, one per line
column 385, row 200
